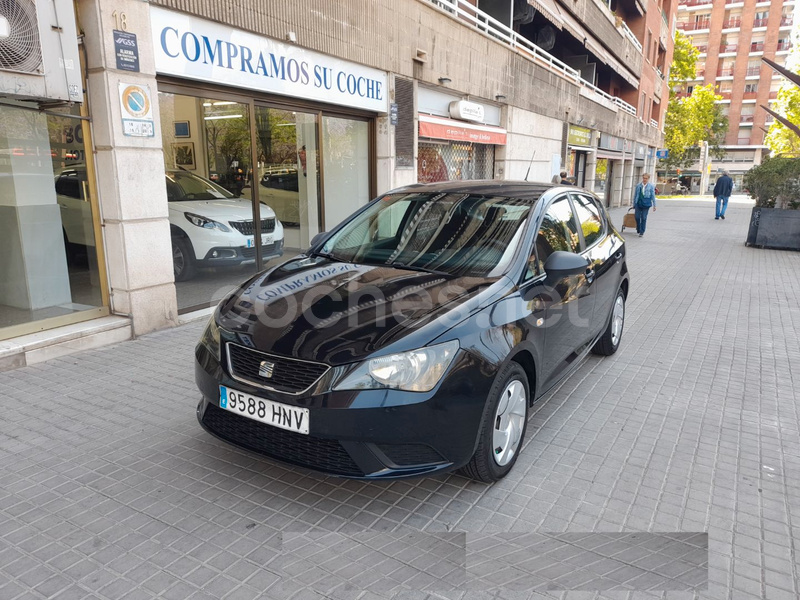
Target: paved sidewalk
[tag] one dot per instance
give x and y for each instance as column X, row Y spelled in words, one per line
column 109, row 488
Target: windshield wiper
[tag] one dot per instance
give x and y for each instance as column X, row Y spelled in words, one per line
column 329, row 256
column 400, row 265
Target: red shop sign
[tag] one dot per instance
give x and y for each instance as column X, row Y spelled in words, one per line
column 441, row 129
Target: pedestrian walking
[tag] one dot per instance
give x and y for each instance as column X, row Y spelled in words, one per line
column 722, row 192
column 644, row 198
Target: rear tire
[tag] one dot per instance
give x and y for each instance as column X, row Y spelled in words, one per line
column 183, row 261
column 504, row 423
column 609, row 342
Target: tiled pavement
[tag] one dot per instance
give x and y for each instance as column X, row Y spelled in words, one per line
column 109, row 488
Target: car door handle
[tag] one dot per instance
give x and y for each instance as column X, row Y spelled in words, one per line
column 618, row 255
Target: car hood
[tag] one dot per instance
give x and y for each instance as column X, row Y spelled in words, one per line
column 333, row 312
column 223, row 209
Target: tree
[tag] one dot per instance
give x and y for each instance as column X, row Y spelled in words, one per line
column 780, row 139
column 684, row 64
column 692, row 119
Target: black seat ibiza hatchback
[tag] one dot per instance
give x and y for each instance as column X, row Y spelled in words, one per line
column 415, row 336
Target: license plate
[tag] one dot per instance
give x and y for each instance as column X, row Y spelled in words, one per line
column 264, row 411
column 266, row 240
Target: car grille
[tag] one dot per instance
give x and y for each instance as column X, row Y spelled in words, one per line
column 288, row 375
column 411, row 454
column 251, row 252
column 247, row 227
column 296, row 448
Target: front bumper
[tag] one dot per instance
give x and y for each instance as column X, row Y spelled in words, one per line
column 369, row 434
column 224, row 256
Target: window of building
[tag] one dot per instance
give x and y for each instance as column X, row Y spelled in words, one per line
column 48, row 218
column 751, row 88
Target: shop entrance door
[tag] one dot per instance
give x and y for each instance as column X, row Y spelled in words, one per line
column 287, row 172
column 345, row 168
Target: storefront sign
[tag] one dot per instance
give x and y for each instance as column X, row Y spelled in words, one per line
column 186, row 46
column 466, row 111
column 126, row 50
column 137, row 110
column 579, row 136
column 610, row 142
column 447, row 129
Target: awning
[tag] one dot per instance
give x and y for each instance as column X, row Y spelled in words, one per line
column 582, row 148
column 609, row 154
column 593, row 46
column 460, row 131
column 549, row 10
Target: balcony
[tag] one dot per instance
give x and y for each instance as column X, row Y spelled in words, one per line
column 467, row 14
column 746, row 118
column 786, row 21
column 773, row 95
column 694, row 2
column 762, row 22
column 757, row 47
column 743, row 141
column 724, row 72
column 694, row 26
column 783, row 46
column 753, row 71
column 700, row 74
column 733, row 2
column 702, row 49
column 734, row 23
column 750, row 95
column 728, row 48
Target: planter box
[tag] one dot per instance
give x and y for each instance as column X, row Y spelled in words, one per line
column 774, row 228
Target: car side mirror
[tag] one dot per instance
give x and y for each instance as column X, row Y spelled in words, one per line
column 318, row 238
column 563, row 264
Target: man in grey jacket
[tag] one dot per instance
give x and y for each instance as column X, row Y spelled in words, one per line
column 722, row 192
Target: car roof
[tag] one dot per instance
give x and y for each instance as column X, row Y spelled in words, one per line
column 529, row 190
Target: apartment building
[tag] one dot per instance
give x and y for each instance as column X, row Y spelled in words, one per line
column 290, row 116
column 732, row 37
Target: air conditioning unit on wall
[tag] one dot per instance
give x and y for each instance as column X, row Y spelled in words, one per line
column 39, row 51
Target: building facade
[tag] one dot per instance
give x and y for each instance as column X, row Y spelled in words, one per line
column 197, row 140
column 732, row 38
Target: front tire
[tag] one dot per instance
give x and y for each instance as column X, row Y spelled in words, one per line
column 183, row 261
column 609, row 342
column 504, row 424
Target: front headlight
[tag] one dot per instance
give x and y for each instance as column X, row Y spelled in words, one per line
column 414, row 371
column 205, row 222
column 210, row 338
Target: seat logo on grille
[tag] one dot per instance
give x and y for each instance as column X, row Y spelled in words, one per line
column 266, row 369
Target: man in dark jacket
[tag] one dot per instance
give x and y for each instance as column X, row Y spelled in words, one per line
column 722, row 192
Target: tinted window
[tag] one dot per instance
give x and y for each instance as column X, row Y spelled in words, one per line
column 590, row 218
column 558, row 232
column 68, row 184
column 460, row 234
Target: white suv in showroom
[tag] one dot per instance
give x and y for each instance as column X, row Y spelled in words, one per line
column 210, row 226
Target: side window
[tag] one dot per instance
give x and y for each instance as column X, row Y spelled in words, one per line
column 558, row 232
column 590, row 218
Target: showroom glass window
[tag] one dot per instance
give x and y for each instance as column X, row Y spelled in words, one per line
column 49, row 272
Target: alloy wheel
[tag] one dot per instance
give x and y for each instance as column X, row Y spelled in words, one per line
column 178, row 260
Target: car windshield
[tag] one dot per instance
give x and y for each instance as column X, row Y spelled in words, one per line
column 456, row 233
column 185, row 186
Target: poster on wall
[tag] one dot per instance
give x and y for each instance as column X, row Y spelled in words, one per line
column 137, row 110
